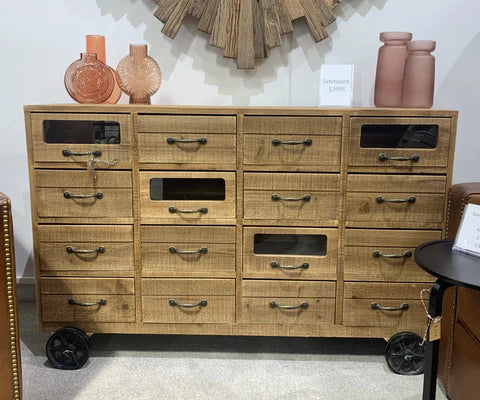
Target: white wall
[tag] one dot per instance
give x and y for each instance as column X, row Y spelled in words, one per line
column 41, row 38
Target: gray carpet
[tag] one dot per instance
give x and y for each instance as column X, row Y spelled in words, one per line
column 164, row 367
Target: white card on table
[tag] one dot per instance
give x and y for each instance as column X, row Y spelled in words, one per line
column 468, row 235
column 336, row 85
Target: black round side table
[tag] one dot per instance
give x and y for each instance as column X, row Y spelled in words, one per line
column 452, row 268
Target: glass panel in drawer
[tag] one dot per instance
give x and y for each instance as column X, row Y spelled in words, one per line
column 73, row 139
column 187, row 189
column 400, row 143
column 307, row 245
column 81, row 132
column 187, row 197
column 290, row 253
column 399, row 136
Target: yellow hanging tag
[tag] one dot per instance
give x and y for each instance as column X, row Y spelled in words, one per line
column 435, row 329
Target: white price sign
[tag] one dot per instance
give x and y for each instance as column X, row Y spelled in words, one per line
column 336, row 85
column 468, row 235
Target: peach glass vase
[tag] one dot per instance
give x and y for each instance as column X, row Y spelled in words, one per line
column 390, row 69
column 139, row 75
column 88, row 80
column 96, row 44
column 419, row 80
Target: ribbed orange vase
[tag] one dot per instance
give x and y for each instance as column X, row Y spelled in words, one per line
column 96, row 44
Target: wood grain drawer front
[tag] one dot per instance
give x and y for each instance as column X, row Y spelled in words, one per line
column 187, row 197
column 408, row 201
column 61, row 194
column 467, row 309
column 188, row 251
column 85, row 249
column 58, row 138
column 188, row 300
column 88, row 299
column 300, row 152
column 290, row 253
column 412, row 142
column 187, row 123
column 299, row 143
column 302, row 198
column 385, row 255
column 217, row 150
column 288, row 302
column 363, row 303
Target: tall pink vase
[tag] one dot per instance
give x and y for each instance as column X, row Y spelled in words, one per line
column 390, row 69
column 419, row 80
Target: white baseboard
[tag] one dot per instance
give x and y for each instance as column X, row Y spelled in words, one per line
column 26, row 288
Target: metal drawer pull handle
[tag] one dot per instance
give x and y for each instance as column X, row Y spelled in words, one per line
column 95, row 153
column 69, row 195
column 278, row 142
column 275, row 264
column 172, row 140
column 384, row 157
column 174, row 210
column 174, row 250
column 201, row 303
column 305, row 197
column 100, row 302
column 376, row 306
column 99, row 249
column 381, row 199
column 274, row 304
column 405, row 254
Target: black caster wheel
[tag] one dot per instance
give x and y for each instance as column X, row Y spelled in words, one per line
column 404, row 354
column 68, row 348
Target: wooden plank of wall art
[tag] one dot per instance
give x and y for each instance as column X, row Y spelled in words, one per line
column 260, row 49
column 205, row 24
column 197, row 8
column 174, row 22
column 217, row 38
column 326, row 10
column 246, row 50
column 272, row 24
column 164, row 10
column 284, row 18
column 232, row 34
column 314, row 19
column 295, row 9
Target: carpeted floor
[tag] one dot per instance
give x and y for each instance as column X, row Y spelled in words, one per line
column 158, row 367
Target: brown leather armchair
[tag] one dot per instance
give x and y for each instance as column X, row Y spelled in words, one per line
column 10, row 370
column 459, row 360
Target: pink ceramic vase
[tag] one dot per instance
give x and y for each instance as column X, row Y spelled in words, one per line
column 139, row 75
column 419, row 80
column 390, row 69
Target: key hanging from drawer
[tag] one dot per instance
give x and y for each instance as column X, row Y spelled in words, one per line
column 91, row 165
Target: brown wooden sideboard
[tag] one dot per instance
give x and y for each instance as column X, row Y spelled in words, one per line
column 235, row 220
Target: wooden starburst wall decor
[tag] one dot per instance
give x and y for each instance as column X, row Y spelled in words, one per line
column 247, row 29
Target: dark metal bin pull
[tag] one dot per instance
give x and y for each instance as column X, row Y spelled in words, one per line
column 305, row 197
column 174, row 210
column 278, row 142
column 69, row 195
column 99, row 249
column 275, row 264
column 376, row 306
column 274, row 304
column 384, row 157
column 201, row 303
column 174, row 250
column 405, row 254
column 381, row 199
column 95, row 153
column 100, row 302
column 202, row 140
